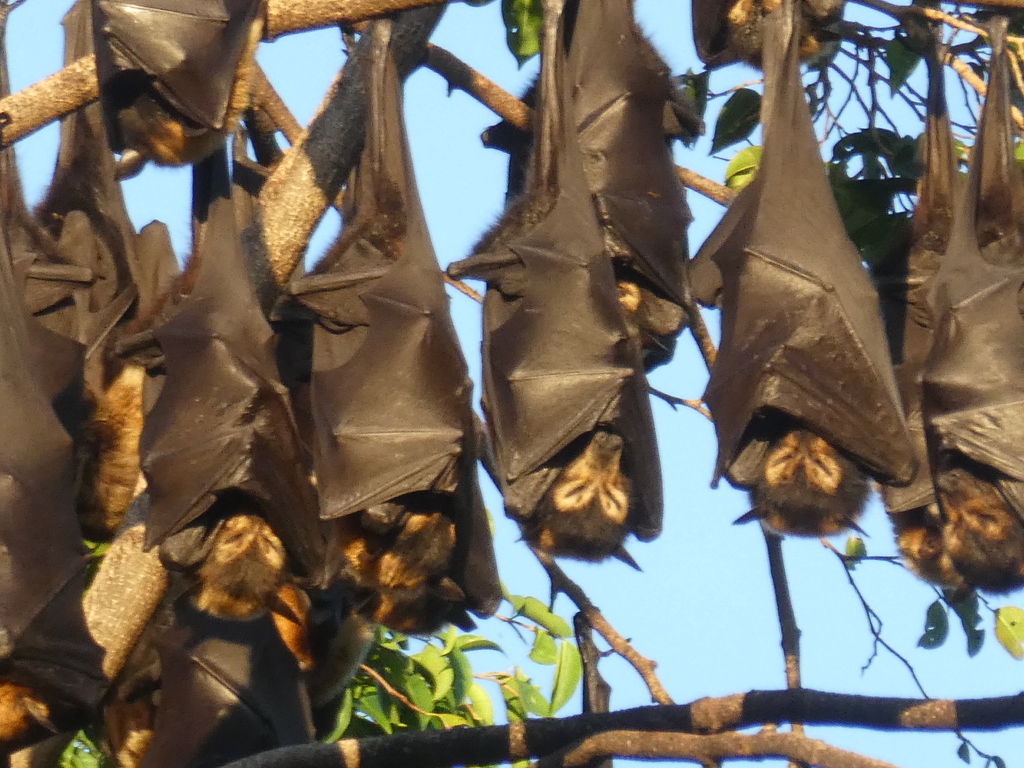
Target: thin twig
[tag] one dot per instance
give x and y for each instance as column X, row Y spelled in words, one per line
column 461, row 287
column 968, row 75
column 460, row 75
column 645, row 667
column 392, row 691
column 697, row 405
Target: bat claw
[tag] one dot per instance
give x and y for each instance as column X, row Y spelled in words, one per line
column 749, row 517
column 622, row 554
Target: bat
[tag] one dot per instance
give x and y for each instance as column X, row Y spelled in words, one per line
column 220, row 439
column 622, row 93
column 49, row 665
column 174, row 74
column 802, row 392
column 564, row 387
column 396, row 477
column 229, row 688
column 725, row 31
column 973, row 379
column 902, row 278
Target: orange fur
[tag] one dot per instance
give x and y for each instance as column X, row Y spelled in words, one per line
column 20, row 709
column 291, row 620
column 128, row 727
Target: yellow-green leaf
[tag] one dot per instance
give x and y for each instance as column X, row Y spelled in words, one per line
column 568, row 671
column 1010, row 630
column 742, row 168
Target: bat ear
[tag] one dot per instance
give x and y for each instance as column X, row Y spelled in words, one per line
column 620, row 553
column 749, row 517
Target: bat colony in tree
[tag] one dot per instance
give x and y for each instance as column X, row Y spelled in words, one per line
column 296, row 507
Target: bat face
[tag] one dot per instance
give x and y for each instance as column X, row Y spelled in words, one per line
column 396, row 479
column 803, row 350
column 174, row 74
column 577, row 464
column 808, row 488
column 919, row 538
column 983, row 536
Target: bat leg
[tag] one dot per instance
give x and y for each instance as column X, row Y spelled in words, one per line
column 111, row 447
column 807, row 487
column 920, row 542
column 244, row 570
column 21, row 709
column 983, row 536
column 583, row 514
column 653, row 321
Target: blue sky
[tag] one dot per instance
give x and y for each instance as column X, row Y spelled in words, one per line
column 703, row 606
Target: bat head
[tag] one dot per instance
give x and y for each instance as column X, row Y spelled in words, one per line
column 807, row 487
column 983, row 536
column 919, row 538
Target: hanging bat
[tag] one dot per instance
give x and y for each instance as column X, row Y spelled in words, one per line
column 174, row 74
column 564, row 388
column 49, row 665
column 902, row 279
column 973, row 381
column 622, row 93
column 229, row 689
column 220, row 441
column 396, row 475
column 802, row 393
column 725, row 31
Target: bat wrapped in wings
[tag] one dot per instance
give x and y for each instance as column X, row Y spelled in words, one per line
column 725, row 31
column 902, row 278
column 395, row 441
column 174, row 74
column 231, row 497
column 622, row 91
column 802, row 392
column 49, row 665
column 564, row 388
column 228, row 689
column 973, row 398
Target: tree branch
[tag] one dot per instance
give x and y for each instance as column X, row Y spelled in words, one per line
column 287, row 16
column 536, row 738
column 707, row 749
column 645, row 667
column 712, row 190
column 460, row 75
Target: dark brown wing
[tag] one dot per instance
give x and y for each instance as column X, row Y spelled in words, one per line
column 801, row 332
column 222, row 420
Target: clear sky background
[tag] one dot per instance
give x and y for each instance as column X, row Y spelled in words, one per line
column 703, row 606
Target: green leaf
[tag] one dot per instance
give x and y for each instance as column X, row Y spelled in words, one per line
column 695, row 86
column 742, row 168
column 523, row 19
column 517, row 602
column 343, row 718
column 452, row 720
column 855, row 550
column 964, row 752
column 1010, row 630
column 999, row 762
column 443, row 683
column 568, row 671
column 463, row 675
column 476, row 643
column 535, row 610
column 533, row 700
column 515, row 709
column 370, row 705
column 81, row 752
column 481, row 703
column 737, row 120
column 432, row 661
column 967, row 611
column 544, row 650
column 902, row 62
column 418, row 691
column 936, row 626
column 448, row 637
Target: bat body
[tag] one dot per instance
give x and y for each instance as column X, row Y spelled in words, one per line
column 174, row 74
column 220, row 439
column 396, row 476
column 903, row 278
column 564, row 388
column 802, row 392
column 973, row 381
column 725, row 31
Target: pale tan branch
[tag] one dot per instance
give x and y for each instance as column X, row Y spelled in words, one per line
column 51, row 98
column 645, row 667
column 969, row 76
column 264, row 94
column 712, row 190
column 285, row 16
column 460, row 75
column 707, row 749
